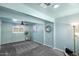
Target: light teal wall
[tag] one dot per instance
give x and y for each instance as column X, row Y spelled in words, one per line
column 41, row 36
column 64, row 37
column 77, row 44
column 49, row 37
column 38, row 35
column 7, row 36
column 14, row 15
column 64, row 32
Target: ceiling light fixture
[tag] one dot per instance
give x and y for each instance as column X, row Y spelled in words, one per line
column 56, row 6
column 45, row 5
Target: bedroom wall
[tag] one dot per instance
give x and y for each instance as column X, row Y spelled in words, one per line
column 38, row 33
column 64, row 37
column 41, row 36
column 64, row 33
column 49, row 36
column 5, row 13
column 38, row 37
column 7, row 36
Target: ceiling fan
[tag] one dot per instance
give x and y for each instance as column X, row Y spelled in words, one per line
column 45, row 5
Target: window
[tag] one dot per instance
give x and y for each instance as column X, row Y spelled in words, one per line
column 18, row 29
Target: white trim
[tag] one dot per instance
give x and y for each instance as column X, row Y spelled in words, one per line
column 77, row 46
column 48, row 46
column 0, row 34
column 61, row 51
column 44, row 33
column 54, row 35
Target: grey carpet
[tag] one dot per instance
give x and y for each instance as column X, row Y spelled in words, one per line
column 28, row 48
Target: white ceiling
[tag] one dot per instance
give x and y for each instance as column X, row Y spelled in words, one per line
column 65, row 9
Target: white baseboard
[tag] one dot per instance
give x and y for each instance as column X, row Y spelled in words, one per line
column 61, row 51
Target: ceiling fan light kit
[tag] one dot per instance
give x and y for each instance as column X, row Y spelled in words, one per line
column 45, row 5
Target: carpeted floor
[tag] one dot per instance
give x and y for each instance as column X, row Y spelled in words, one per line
column 28, row 48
